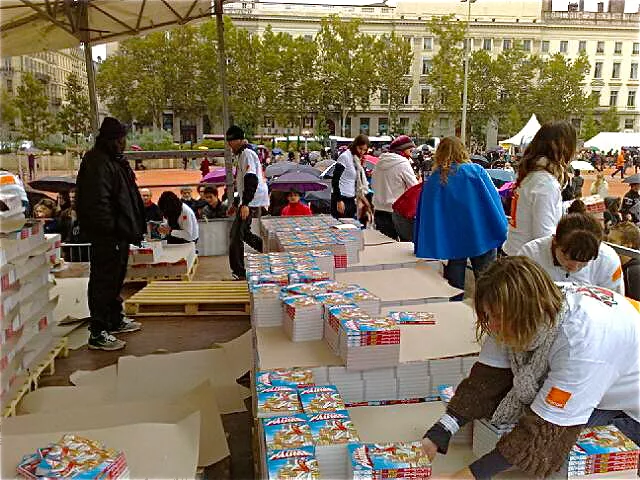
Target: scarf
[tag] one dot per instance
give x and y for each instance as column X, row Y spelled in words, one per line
column 362, row 185
column 530, row 368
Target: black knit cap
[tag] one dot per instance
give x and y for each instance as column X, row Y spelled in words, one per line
column 111, row 128
column 234, row 133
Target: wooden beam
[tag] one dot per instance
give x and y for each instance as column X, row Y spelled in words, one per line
column 107, row 14
column 144, row 2
column 168, row 5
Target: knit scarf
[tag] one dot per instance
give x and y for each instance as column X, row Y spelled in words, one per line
column 530, row 368
column 362, row 185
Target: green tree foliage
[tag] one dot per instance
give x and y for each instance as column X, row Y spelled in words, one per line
column 610, row 121
column 74, row 117
column 589, row 127
column 394, row 66
column 33, row 105
column 8, row 110
column 114, row 84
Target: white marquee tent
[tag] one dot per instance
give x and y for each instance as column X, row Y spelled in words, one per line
column 524, row 136
column 605, row 141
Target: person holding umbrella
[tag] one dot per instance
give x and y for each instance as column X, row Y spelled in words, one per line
column 110, row 216
column 392, row 176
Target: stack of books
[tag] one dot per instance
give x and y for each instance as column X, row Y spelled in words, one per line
column 380, row 384
column 377, row 461
column 413, row 318
column 363, row 298
column 283, row 433
column 284, row 377
column 332, row 433
column 366, row 342
column 319, row 399
column 296, row 463
column 349, row 383
column 602, row 450
column 302, row 318
column 266, row 307
column 445, row 371
column 277, row 401
column 333, row 310
column 414, row 380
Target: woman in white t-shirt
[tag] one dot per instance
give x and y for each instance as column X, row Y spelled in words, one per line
column 536, row 206
column 349, row 184
column 556, row 357
column 181, row 226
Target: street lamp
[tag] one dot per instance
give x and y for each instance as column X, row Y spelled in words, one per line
column 306, row 133
column 467, row 41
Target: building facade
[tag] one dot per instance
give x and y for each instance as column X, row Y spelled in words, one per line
column 609, row 35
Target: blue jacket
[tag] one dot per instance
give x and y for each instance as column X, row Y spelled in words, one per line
column 462, row 218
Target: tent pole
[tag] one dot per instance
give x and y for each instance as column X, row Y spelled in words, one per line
column 222, row 66
column 91, row 80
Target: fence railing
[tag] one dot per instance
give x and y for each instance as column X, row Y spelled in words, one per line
column 76, row 252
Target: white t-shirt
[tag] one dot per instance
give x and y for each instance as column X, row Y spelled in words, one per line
column 594, row 361
column 349, row 177
column 188, row 224
column 248, row 162
column 605, row 271
column 538, row 209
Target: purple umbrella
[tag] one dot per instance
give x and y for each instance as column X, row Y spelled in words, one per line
column 505, row 190
column 300, row 181
column 217, row 175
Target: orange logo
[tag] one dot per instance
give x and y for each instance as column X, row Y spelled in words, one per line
column 617, row 274
column 557, row 398
column 635, row 303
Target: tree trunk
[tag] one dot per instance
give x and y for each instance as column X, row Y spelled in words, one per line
column 343, row 125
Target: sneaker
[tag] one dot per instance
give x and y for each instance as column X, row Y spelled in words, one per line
column 106, row 342
column 237, row 278
column 127, row 325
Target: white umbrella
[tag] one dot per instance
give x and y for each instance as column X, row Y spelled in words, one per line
column 581, row 165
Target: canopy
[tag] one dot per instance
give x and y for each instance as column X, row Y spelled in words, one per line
column 605, row 141
column 524, row 136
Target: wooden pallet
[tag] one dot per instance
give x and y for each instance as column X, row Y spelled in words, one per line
column 184, row 277
column 189, row 298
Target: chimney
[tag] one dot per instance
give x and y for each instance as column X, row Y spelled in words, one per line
column 546, row 6
column 616, row 6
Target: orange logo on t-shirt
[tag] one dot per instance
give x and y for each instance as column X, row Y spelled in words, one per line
column 617, row 274
column 635, row 303
column 557, row 398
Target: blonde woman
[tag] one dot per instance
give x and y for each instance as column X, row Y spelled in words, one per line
column 600, row 186
column 459, row 214
column 536, row 206
column 552, row 362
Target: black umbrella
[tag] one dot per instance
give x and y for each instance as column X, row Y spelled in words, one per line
column 54, row 184
column 280, row 168
column 480, row 160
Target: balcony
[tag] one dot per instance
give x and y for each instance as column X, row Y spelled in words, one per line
column 43, row 77
column 590, row 18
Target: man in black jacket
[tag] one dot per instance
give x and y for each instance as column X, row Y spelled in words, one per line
column 110, row 216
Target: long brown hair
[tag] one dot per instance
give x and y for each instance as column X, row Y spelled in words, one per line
column 450, row 150
column 515, row 297
column 556, row 141
column 361, row 139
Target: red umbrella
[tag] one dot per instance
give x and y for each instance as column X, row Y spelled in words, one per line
column 371, row 160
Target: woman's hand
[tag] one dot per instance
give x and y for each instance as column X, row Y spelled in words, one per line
column 429, row 448
column 340, row 207
column 164, row 229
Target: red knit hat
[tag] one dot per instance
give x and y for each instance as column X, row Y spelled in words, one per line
column 401, row 143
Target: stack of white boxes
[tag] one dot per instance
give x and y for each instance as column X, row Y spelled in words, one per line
column 349, row 383
column 54, row 250
column 302, row 318
column 445, row 371
column 266, row 307
column 379, row 384
column 26, row 309
column 414, row 380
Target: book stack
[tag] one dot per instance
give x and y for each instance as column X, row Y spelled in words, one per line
column 319, row 399
column 147, row 252
column 302, row 318
column 413, row 318
column 486, row 436
column 266, row 307
column 414, row 380
column 277, row 401
column 309, row 289
column 333, row 308
column 54, row 250
column 283, row 268
column 377, row 461
column 324, row 259
column 602, row 450
column 445, row 371
column 285, row 377
column 349, row 383
column 332, row 433
column 366, row 342
column 74, row 457
column 594, row 203
column 380, row 384
column 364, row 299
column 283, row 433
column 296, row 463
column 308, row 276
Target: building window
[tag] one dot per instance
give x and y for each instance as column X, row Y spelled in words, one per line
column 595, row 94
column 427, row 43
column 347, row 126
column 167, row 122
column 406, row 100
column 628, row 123
column 268, row 122
column 526, row 45
column 444, row 123
column 633, row 73
column 467, row 44
column 364, row 125
column 383, row 125
column 486, row 44
column 618, row 48
column 600, row 7
column 404, row 125
column 631, row 99
column 424, row 95
column 636, row 48
column 426, row 66
column 506, row 44
column 10, row 84
column 307, row 122
column 564, row 46
column 613, row 98
column 407, row 39
column 384, row 97
column 600, row 47
column 615, row 72
column 545, row 46
column 582, row 46
column 597, row 71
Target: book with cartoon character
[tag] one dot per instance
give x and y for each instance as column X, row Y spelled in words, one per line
column 275, row 401
column 319, row 399
column 297, row 463
column 283, row 433
column 332, row 428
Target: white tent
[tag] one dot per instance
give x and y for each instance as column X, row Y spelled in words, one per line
column 524, row 136
column 605, row 141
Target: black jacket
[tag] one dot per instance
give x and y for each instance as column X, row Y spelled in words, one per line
column 109, row 205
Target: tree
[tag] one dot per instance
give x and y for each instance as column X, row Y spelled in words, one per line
column 423, row 127
column 483, row 96
column 446, row 75
column 512, row 122
column 114, row 83
column 589, row 126
column 33, row 104
column 74, row 117
column 8, row 110
column 610, row 121
column 346, row 68
column 394, row 64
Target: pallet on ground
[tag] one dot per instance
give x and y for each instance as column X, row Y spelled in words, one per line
column 190, row 298
column 183, row 277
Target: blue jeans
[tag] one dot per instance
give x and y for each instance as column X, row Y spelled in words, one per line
column 455, row 269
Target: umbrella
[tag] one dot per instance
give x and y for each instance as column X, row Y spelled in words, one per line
column 54, row 184
column 318, row 196
column 501, row 175
column 300, row 181
column 277, row 151
column 581, row 165
column 322, row 165
column 370, row 161
column 217, row 175
column 328, row 172
column 632, row 179
column 505, row 189
column 281, row 168
column 480, row 160
column 136, row 148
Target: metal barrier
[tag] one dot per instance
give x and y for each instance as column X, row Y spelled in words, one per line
column 76, row 252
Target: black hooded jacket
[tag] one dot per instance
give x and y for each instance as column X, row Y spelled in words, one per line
column 110, row 208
